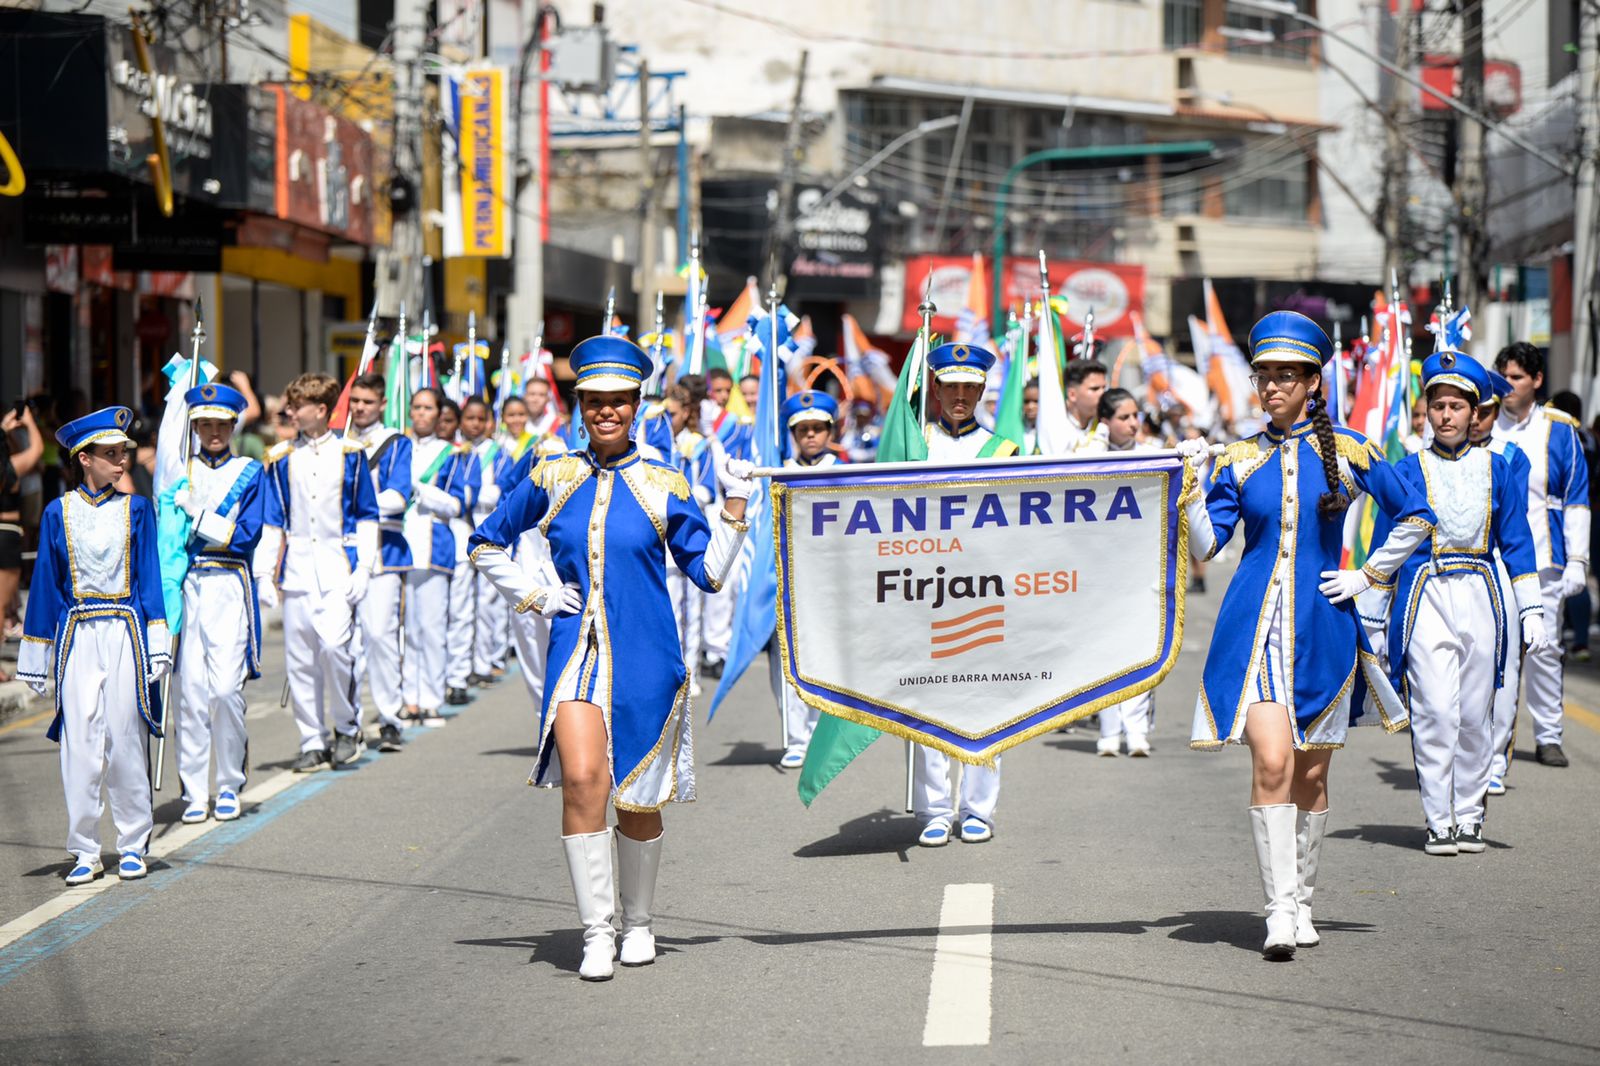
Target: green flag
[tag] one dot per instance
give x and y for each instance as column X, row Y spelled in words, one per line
column 1008, row 421
column 836, row 742
column 397, row 402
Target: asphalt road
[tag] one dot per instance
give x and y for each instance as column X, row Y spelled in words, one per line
column 417, row 909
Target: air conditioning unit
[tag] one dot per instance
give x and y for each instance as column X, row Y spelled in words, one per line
column 583, row 60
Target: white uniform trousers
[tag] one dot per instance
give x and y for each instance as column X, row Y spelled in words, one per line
column 103, row 739
column 933, row 796
column 380, row 643
column 489, row 645
column 211, row 677
column 1450, row 673
column 1130, row 716
column 319, row 657
column 1506, row 697
column 531, row 633
column 718, row 611
column 1541, row 670
column 463, row 622
column 688, row 607
column 427, row 628
column 799, row 718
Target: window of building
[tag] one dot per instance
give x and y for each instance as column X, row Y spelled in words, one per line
column 1183, row 23
column 1250, row 32
column 1278, row 192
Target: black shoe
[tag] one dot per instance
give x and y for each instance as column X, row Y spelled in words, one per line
column 711, row 668
column 1469, row 838
column 389, row 738
column 1550, row 755
column 310, row 762
column 474, row 680
column 457, row 697
column 1198, row 585
column 1440, row 843
column 347, row 750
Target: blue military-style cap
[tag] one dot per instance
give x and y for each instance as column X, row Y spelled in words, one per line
column 1451, row 367
column 610, row 364
column 215, row 401
column 960, row 362
column 813, row 405
column 1289, row 337
column 1498, row 382
column 109, row 425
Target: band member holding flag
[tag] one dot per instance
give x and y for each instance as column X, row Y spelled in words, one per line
column 615, row 726
column 808, row 417
column 389, row 460
column 221, row 645
column 486, row 610
column 1449, row 638
column 96, row 626
column 318, row 546
column 959, row 373
column 1288, row 670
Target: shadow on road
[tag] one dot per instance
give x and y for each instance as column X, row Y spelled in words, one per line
column 1396, row 775
column 1408, row 837
column 749, row 753
column 521, row 753
column 880, row 833
column 1244, row 930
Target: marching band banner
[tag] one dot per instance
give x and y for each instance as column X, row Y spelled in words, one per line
column 972, row 607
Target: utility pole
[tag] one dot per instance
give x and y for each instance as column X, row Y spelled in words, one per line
column 782, row 232
column 647, row 203
column 399, row 269
column 1586, row 215
column 1396, row 157
column 525, row 308
column 1472, row 178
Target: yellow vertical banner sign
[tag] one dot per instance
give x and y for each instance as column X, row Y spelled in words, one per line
column 485, row 189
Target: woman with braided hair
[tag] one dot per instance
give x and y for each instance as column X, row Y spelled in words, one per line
column 1289, row 670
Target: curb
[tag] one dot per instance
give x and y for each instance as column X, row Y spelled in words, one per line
column 16, row 699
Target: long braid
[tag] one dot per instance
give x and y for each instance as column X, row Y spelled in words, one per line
column 1334, row 502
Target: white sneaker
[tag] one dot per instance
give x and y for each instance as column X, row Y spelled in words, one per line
column 1497, row 787
column 792, row 760
column 936, row 834
column 1139, row 747
column 85, row 870
column 195, row 812
column 1108, row 747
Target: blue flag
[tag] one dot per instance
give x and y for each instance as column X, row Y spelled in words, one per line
column 755, row 617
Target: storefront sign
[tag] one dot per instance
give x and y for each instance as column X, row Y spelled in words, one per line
column 481, row 156
column 324, row 169
column 837, row 247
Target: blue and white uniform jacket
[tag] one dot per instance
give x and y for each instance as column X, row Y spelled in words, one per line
column 610, row 527
column 1558, row 483
column 389, row 460
column 1270, row 483
column 320, row 519
column 1473, row 494
column 229, row 488
column 97, row 559
column 451, row 467
column 493, row 462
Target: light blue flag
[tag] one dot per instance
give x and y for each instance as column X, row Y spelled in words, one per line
column 755, row 617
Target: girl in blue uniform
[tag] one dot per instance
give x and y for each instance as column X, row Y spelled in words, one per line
column 97, row 626
column 615, row 724
column 1290, row 667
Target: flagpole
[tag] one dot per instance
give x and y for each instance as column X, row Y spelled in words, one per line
column 658, row 373
column 472, row 353
column 924, row 334
column 611, row 311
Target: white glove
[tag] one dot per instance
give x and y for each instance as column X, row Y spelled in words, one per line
column 266, row 593
column 159, row 669
column 1574, row 577
column 433, row 500
column 1341, row 585
column 1196, row 451
column 488, row 497
column 708, row 416
column 551, row 600
column 735, row 479
column 39, row 687
column 360, row 578
column 1535, row 635
column 185, row 502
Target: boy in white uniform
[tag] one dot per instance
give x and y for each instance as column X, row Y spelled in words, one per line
column 959, row 372
column 318, row 545
column 219, row 645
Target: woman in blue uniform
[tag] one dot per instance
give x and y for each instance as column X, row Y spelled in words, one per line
column 615, row 724
column 1290, row 670
column 97, row 626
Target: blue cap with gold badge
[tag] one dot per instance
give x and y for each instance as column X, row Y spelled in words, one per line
column 960, row 362
column 215, row 401
column 610, row 364
column 1501, row 386
column 109, row 425
column 1289, row 337
column 1451, row 367
column 813, row 405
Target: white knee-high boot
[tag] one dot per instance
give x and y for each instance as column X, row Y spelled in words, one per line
column 637, row 863
column 1309, row 827
column 589, row 863
column 1274, row 830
